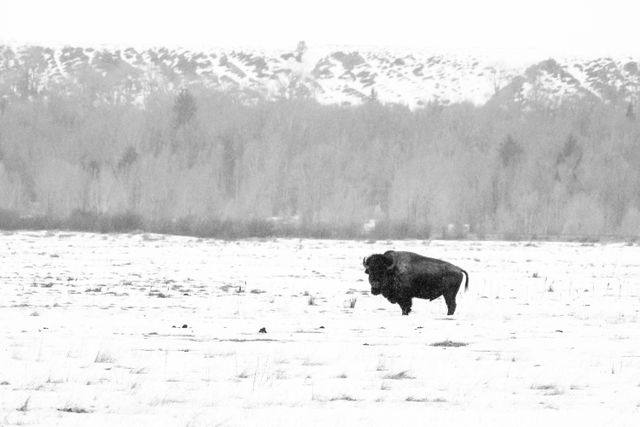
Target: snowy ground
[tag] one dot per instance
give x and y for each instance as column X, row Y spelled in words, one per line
column 91, row 333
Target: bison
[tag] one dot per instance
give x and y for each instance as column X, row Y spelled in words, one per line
column 401, row 276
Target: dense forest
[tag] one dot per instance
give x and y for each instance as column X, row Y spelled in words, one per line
column 198, row 161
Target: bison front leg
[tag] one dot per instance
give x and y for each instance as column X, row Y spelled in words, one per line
column 405, row 305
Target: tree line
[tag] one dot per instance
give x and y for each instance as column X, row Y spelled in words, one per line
column 203, row 162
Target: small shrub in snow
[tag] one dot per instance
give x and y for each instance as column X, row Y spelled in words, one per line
column 425, row 399
column 56, row 380
column 402, row 375
column 74, row 409
column 343, row 397
column 309, row 362
column 243, row 374
column 449, row 343
column 162, row 401
column 103, row 357
column 25, row 405
column 549, row 389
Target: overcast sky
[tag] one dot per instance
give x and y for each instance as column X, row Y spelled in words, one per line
column 500, row 27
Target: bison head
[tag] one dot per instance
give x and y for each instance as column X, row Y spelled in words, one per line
column 380, row 270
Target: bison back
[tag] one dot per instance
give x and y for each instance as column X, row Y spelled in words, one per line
column 428, row 278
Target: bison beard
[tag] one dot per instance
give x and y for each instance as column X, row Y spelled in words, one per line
column 402, row 276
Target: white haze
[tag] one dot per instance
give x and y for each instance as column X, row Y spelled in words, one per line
column 511, row 30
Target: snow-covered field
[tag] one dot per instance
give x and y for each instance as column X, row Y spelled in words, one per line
column 159, row 330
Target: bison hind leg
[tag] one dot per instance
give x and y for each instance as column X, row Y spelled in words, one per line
column 451, row 304
column 451, row 286
column 405, row 305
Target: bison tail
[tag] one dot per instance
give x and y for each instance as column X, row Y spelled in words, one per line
column 466, row 281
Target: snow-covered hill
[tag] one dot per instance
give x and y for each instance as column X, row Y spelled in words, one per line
column 330, row 75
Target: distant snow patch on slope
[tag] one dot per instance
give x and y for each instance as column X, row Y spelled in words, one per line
column 334, row 74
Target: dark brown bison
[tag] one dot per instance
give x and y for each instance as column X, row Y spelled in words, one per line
column 401, row 276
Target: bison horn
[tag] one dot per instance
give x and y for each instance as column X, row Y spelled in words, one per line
column 364, row 261
column 393, row 264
